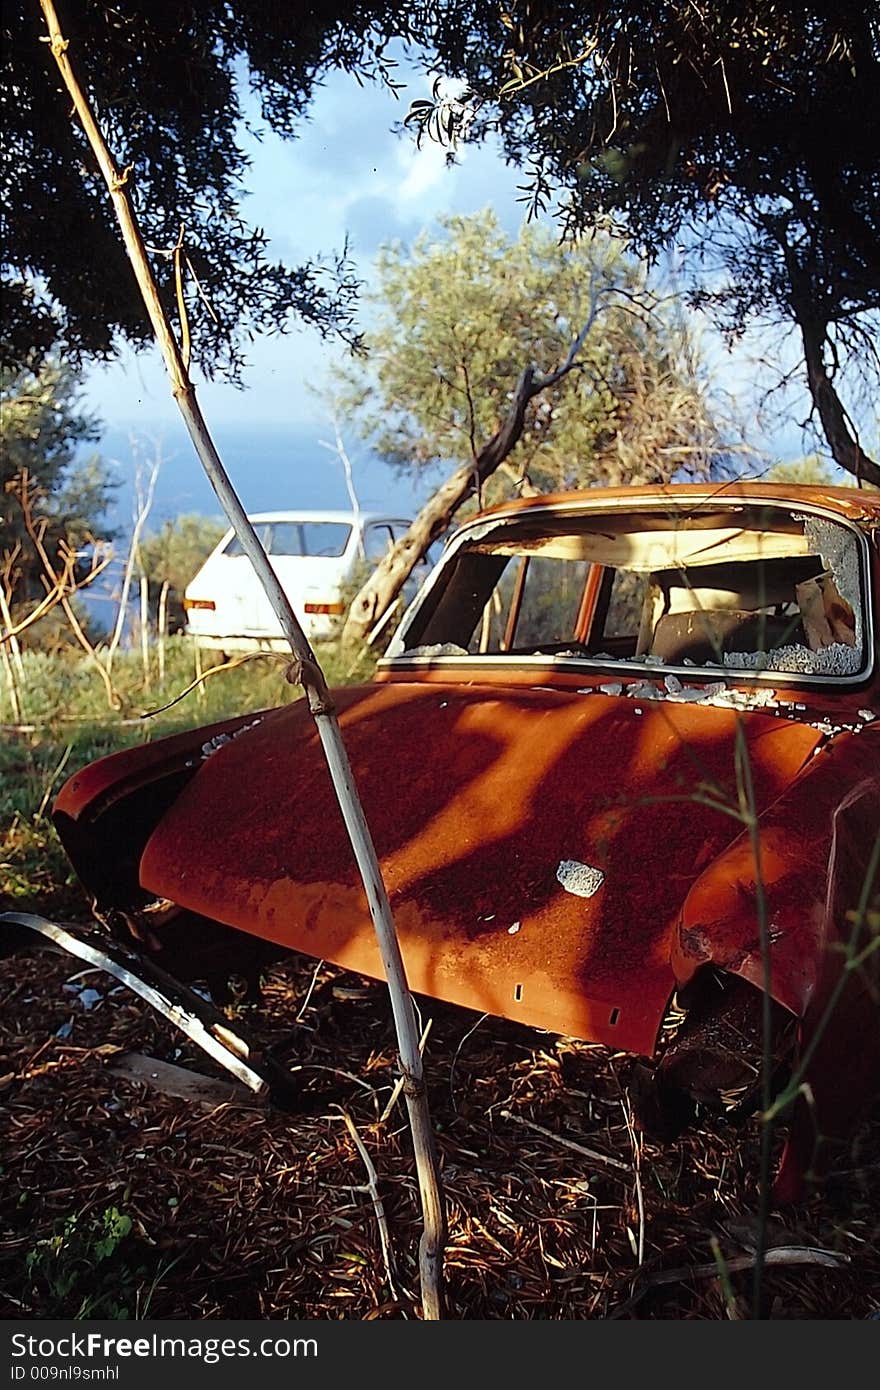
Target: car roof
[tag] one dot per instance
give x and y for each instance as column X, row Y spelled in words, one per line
column 852, row 503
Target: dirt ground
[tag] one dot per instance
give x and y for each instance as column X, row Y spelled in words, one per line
column 119, row 1201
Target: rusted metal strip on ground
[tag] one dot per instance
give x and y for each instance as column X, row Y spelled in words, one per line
column 200, row 1021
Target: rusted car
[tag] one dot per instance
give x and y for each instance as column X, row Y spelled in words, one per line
column 621, row 762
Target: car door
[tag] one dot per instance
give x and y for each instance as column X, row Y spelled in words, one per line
column 378, row 540
column 422, row 569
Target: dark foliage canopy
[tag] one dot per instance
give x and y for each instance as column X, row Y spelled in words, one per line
column 747, row 130
column 163, row 77
column 43, row 427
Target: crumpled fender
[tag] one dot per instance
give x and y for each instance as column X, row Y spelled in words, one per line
column 815, row 848
column 101, row 784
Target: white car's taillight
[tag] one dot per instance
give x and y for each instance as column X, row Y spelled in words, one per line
column 335, row 608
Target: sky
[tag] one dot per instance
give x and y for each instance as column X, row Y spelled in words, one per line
column 346, row 176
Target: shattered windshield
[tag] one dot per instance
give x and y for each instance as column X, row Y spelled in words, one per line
column 745, row 588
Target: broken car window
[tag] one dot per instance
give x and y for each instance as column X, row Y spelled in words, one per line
column 745, row 588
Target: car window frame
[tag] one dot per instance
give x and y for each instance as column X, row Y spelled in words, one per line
column 482, row 527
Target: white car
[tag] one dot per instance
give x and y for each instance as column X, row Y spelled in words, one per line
column 320, row 559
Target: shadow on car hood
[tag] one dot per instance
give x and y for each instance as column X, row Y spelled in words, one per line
column 537, row 845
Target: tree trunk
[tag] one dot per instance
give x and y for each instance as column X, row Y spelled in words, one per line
column 845, row 448
column 388, row 578
column 385, row 583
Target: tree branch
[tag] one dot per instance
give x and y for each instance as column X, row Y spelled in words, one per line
column 382, row 588
column 846, row 449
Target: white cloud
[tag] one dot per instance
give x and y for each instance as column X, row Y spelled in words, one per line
column 424, row 168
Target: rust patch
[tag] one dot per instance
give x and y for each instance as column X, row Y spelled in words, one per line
column 471, row 840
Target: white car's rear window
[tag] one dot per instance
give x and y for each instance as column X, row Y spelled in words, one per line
column 298, row 538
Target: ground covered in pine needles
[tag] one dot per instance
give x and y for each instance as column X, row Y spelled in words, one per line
column 119, row 1201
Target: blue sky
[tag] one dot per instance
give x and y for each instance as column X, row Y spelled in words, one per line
column 346, row 175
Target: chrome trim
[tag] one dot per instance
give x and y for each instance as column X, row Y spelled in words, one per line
column 209, row 1032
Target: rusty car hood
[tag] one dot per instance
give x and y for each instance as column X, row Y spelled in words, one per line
column 537, row 845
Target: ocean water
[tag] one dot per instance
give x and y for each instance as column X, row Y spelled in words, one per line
column 270, row 468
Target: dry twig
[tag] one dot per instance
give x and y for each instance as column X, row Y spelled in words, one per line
column 567, row 1143
column 305, row 671
column 378, row 1204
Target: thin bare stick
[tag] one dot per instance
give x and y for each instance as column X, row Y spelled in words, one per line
column 637, row 1172
column 162, row 628
column 54, row 582
column 50, row 785
column 780, row 1255
column 27, row 495
column 9, row 653
column 143, row 502
column 49, row 600
column 378, row 1204
column 398, row 1085
column 202, row 676
column 304, row 671
column 10, row 632
column 309, row 992
column 339, row 449
column 568, row 1143
column 144, row 592
column 183, row 316
column 198, row 683
column 776, row 1255
column 469, row 1034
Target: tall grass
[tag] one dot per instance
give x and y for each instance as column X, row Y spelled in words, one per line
column 63, row 687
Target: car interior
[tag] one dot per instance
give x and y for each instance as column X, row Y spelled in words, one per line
column 738, row 587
